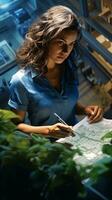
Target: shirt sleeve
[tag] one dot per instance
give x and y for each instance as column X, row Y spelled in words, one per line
column 18, row 96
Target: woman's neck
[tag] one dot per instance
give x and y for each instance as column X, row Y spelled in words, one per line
column 51, row 65
column 54, row 74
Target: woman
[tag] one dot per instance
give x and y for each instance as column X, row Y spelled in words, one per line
column 47, row 84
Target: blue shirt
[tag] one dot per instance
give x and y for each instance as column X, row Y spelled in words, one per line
column 33, row 93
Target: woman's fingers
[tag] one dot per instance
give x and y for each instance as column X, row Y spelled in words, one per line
column 61, row 129
column 96, row 116
column 65, row 127
column 68, row 129
column 94, row 112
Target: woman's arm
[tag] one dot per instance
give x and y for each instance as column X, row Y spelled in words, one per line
column 57, row 129
column 33, row 129
column 94, row 112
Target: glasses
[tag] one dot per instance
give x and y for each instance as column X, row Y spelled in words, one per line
column 61, row 44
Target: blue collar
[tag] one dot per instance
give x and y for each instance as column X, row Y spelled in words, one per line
column 34, row 72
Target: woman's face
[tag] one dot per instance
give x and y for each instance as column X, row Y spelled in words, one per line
column 61, row 47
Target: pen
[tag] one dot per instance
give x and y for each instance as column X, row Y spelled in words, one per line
column 62, row 121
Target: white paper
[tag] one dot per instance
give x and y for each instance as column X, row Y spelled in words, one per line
column 88, row 139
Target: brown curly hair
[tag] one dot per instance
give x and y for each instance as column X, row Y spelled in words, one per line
column 35, row 47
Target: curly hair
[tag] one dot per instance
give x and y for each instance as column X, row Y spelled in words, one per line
column 35, row 47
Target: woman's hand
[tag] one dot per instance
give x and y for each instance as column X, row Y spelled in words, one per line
column 60, row 130
column 94, row 113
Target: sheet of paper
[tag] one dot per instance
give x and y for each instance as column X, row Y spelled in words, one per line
column 88, row 139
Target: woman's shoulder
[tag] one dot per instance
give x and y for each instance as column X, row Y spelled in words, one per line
column 20, row 75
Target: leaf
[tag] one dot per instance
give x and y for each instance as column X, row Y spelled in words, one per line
column 7, row 114
column 5, row 147
column 39, row 138
column 107, row 148
column 107, row 135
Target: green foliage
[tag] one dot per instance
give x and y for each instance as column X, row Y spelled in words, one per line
column 107, row 135
column 6, row 126
column 31, row 167
column 103, row 166
column 107, row 148
column 99, row 168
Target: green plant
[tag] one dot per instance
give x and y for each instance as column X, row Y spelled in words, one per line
column 31, row 167
column 103, row 166
column 107, row 148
